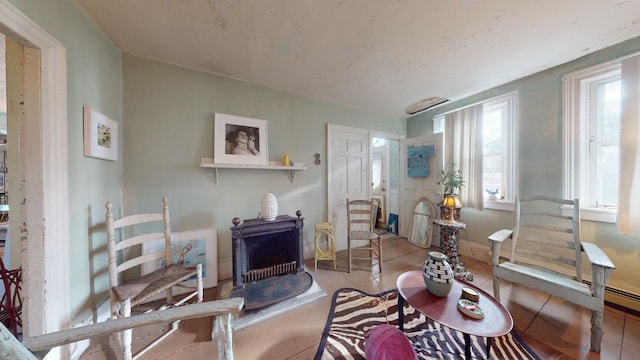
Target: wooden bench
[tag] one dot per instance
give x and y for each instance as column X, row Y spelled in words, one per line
column 37, row 347
column 546, row 255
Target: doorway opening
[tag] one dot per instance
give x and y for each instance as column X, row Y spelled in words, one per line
column 37, row 119
column 385, row 179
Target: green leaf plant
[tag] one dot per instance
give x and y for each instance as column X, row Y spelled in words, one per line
column 451, row 179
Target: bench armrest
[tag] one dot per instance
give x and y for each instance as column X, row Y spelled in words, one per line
column 495, row 240
column 596, row 256
column 110, row 326
column 500, row 236
column 601, row 267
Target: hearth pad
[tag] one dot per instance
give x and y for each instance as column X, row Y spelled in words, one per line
column 259, row 294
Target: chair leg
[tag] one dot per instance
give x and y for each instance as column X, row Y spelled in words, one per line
column 333, row 251
column 380, row 255
column 597, row 318
column 222, row 332
column 349, row 254
column 496, row 287
column 126, row 334
column 315, row 244
column 199, row 283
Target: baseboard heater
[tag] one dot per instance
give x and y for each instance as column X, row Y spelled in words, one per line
column 624, row 300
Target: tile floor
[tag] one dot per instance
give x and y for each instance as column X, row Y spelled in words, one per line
column 553, row 328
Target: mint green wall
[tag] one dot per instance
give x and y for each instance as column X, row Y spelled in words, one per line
column 540, row 163
column 168, row 127
column 94, row 79
column 166, row 118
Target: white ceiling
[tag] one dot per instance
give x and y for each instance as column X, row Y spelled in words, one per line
column 380, row 55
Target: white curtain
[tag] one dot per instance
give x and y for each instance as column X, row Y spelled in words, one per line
column 629, row 190
column 463, row 145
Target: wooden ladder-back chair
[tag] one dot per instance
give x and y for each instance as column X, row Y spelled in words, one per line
column 165, row 273
column 360, row 227
column 546, row 255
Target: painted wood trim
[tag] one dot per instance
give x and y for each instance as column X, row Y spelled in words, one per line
column 46, row 315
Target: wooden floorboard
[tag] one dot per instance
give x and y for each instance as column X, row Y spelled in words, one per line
column 553, row 328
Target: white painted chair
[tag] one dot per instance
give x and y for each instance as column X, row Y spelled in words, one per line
column 165, row 274
column 360, row 228
column 37, row 347
column 546, row 255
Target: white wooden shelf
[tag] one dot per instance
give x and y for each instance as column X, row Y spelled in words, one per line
column 273, row 165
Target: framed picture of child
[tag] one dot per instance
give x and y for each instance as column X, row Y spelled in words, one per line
column 240, row 140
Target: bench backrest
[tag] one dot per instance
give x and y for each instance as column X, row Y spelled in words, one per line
column 547, row 235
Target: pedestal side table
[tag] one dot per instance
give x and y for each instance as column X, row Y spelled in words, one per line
column 449, row 239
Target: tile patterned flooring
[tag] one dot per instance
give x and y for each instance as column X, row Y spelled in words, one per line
column 553, row 328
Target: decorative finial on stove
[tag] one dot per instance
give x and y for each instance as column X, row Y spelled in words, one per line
column 299, row 213
column 236, row 221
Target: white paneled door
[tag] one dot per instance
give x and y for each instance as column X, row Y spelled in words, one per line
column 412, row 188
column 348, row 170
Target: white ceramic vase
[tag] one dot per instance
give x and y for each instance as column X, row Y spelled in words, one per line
column 269, row 207
column 437, row 274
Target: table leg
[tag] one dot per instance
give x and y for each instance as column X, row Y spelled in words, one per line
column 400, row 312
column 489, row 342
column 467, row 346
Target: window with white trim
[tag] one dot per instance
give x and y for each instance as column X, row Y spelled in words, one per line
column 592, row 118
column 499, row 144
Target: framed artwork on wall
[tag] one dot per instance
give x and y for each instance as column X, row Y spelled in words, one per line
column 100, row 135
column 240, row 140
column 190, row 247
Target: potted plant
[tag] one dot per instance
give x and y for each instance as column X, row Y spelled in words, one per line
column 451, row 179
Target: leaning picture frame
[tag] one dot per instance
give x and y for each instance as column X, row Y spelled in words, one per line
column 192, row 247
column 100, row 135
column 240, row 140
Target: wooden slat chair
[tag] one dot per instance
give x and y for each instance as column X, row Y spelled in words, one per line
column 165, row 273
column 37, row 347
column 360, row 227
column 546, row 255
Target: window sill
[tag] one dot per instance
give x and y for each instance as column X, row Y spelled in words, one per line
column 499, row 205
column 598, row 214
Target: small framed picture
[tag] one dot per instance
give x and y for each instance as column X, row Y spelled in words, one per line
column 392, row 224
column 100, row 135
column 240, row 140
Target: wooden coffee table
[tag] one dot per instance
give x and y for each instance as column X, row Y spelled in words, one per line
column 444, row 310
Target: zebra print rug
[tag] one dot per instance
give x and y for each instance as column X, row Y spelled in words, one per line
column 354, row 312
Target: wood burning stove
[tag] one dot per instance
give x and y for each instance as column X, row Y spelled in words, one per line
column 268, row 262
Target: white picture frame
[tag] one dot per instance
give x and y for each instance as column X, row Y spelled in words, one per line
column 203, row 249
column 240, row 140
column 100, row 135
